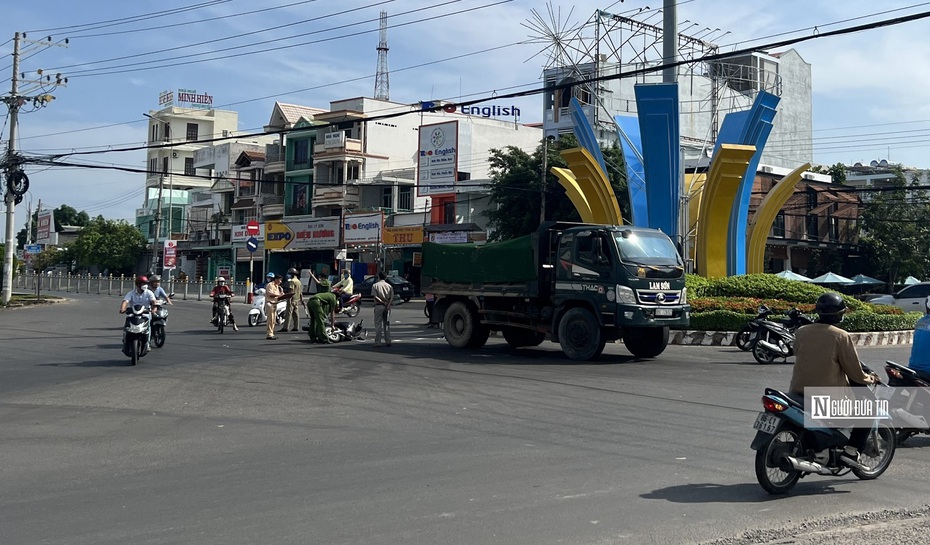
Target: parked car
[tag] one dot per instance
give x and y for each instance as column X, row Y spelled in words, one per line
column 402, row 288
column 911, row 298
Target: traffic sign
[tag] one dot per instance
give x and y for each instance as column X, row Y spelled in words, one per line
column 251, row 244
column 34, row 248
column 252, row 228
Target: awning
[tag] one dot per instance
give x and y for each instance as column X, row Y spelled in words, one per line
column 243, row 203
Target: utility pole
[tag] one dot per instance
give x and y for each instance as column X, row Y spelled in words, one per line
column 17, row 183
column 542, row 181
column 29, row 221
column 161, row 186
column 9, row 249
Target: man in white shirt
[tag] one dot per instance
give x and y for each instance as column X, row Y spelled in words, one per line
column 383, row 293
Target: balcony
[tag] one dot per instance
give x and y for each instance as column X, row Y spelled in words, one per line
column 336, row 147
column 271, row 205
column 336, row 195
column 274, row 159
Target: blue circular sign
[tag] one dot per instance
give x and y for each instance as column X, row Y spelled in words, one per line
column 251, row 244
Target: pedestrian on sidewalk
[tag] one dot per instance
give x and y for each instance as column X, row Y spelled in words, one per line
column 383, row 294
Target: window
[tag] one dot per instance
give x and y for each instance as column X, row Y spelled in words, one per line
column 564, row 267
column 834, row 228
column 191, row 132
column 405, row 198
column 154, row 136
column 448, row 212
column 812, row 227
column 153, row 166
column 778, row 226
column 189, row 169
column 301, row 151
column 387, row 197
column 591, row 253
column 164, row 165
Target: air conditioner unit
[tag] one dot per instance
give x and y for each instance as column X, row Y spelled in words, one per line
column 767, row 169
column 225, row 133
column 174, row 154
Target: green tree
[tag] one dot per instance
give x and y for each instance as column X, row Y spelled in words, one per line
column 110, row 244
column 64, row 215
column 516, row 191
column 896, row 232
column 837, row 172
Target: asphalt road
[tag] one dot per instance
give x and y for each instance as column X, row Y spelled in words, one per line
column 232, row 439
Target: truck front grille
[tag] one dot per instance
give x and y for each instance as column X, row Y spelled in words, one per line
column 658, row 297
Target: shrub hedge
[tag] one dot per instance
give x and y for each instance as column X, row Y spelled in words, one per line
column 727, row 304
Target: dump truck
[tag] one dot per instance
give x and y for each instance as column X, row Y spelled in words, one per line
column 580, row 285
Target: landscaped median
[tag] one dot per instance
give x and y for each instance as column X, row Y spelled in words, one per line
column 721, row 306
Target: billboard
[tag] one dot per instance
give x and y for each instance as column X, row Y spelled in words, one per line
column 437, row 167
column 318, row 234
column 170, row 255
column 45, row 226
column 362, row 228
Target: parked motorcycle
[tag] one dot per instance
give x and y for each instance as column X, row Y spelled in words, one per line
column 221, row 314
column 777, row 340
column 911, row 400
column 747, row 336
column 136, row 333
column 351, row 307
column 343, row 331
column 787, row 451
column 159, row 319
column 257, row 312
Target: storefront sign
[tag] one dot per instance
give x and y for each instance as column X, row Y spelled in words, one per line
column 187, row 98
column 403, row 236
column 45, row 225
column 363, row 228
column 437, row 168
column 455, row 237
column 240, row 233
column 170, row 255
column 319, row 234
column 334, row 140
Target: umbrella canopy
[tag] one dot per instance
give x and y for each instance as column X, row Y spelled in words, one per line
column 862, row 280
column 790, row 275
column 831, row 278
column 910, row 280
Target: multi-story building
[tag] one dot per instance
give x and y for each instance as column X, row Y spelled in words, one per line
column 174, row 135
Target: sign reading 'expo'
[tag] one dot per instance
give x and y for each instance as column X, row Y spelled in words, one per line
column 320, row 234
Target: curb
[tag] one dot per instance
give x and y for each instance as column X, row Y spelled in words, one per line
column 728, row 338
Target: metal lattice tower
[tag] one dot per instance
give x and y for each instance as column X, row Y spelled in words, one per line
column 382, row 76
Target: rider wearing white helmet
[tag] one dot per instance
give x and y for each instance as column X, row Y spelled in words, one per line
column 222, row 288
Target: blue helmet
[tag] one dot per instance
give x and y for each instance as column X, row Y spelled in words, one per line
column 270, row 276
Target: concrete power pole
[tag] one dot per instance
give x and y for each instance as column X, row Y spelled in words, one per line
column 10, row 197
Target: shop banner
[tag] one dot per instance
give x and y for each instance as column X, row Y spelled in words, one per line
column 403, row 236
column 363, row 228
column 240, row 233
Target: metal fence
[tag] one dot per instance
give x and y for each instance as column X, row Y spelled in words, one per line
column 115, row 285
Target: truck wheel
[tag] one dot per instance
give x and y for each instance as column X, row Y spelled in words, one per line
column 460, row 325
column 518, row 337
column 646, row 342
column 579, row 334
column 480, row 337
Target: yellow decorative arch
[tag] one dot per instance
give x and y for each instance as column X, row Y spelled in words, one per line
column 694, row 189
column 595, row 186
column 575, row 194
column 762, row 220
column 726, row 171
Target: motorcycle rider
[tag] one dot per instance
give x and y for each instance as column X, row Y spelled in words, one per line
column 222, row 289
column 826, row 357
column 920, row 349
column 345, row 288
column 140, row 295
column 160, row 293
column 292, row 314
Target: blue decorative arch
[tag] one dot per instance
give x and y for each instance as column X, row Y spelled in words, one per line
column 632, row 145
column 657, row 106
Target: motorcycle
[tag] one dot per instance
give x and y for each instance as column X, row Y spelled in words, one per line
column 787, row 451
column 747, row 336
column 351, row 307
column 159, row 319
column 343, row 331
column 257, row 312
column 136, row 333
column 777, row 340
column 221, row 314
column 910, row 400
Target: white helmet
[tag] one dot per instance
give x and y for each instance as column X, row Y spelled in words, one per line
column 220, row 280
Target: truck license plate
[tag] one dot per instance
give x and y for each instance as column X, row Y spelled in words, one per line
column 766, row 423
column 663, row 312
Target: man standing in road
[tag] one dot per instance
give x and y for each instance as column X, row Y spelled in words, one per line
column 273, row 293
column 319, row 307
column 292, row 314
column 383, row 294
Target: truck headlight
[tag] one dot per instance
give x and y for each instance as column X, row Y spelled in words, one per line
column 684, row 297
column 625, row 295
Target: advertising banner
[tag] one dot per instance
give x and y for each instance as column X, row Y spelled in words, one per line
column 403, row 236
column 45, row 225
column 363, row 228
column 318, row 234
column 454, row 237
column 240, row 233
column 437, row 168
column 170, row 255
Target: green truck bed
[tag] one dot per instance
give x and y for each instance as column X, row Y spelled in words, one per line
column 497, row 262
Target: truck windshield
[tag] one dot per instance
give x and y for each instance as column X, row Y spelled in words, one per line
column 644, row 248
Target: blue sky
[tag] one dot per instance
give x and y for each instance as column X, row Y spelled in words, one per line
column 869, row 88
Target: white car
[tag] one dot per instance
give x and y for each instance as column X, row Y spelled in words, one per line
column 912, row 298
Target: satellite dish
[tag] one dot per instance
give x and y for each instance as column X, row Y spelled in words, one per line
column 883, row 163
column 873, row 164
column 858, row 165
